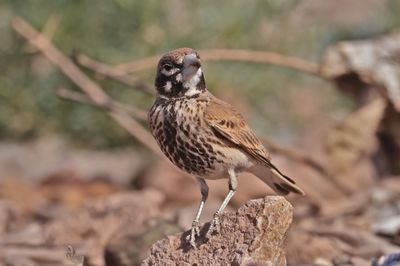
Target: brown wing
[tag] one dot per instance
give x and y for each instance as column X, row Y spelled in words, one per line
column 229, row 123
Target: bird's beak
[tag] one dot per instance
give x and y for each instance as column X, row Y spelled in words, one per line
column 191, row 65
column 191, row 60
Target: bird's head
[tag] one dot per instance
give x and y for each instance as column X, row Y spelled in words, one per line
column 179, row 74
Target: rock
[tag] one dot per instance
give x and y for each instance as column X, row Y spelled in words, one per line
column 22, row 194
column 90, row 228
column 8, row 215
column 317, row 247
column 128, row 248
column 253, row 235
column 368, row 71
column 70, row 189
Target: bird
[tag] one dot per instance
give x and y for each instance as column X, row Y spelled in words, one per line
column 205, row 136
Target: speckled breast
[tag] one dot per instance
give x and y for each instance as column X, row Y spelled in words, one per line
column 179, row 129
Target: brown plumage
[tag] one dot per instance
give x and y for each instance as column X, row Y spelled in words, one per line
column 231, row 125
column 205, row 136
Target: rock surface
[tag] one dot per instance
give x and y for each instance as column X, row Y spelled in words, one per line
column 129, row 248
column 96, row 223
column 254, row 235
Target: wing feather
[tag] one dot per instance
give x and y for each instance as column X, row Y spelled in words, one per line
column 230, row 124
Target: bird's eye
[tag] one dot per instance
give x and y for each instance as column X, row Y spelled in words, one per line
column 167, row 67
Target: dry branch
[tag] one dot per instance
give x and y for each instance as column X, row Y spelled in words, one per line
column 138, row 65
column 89, row 87
column 231, row 55
column 48, row 30
column 60, row 60
column 112, row 73
column 38, row 254
column 82, row 98
column 261, row 57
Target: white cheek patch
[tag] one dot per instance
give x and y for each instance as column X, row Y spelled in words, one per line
column 169, row 72
column 178, row 77
column 168, row 86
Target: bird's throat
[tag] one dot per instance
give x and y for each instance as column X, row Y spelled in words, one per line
column 195, row 84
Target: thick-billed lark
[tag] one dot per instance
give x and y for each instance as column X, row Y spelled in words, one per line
column 205, row 136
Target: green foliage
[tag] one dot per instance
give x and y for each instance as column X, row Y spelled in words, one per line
column 117, row 31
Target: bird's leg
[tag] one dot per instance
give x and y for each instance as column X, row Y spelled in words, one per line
column 214, row 225
column 195, row 224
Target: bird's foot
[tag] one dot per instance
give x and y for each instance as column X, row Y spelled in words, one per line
column 214, row 225
column 194, row 232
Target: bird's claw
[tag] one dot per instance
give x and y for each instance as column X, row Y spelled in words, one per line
column 194, row 232
column 214, row 225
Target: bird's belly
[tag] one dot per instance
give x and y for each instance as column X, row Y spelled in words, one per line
column 232, row 159
column 201, row 156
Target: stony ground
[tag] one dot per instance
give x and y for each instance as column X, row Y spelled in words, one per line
column 112, row 214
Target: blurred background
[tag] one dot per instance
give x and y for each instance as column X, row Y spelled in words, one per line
column 61, row 162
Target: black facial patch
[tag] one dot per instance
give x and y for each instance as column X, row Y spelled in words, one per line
column 176, row 89
column 162, row 80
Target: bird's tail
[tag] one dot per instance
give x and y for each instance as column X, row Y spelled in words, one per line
column 274, row 178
